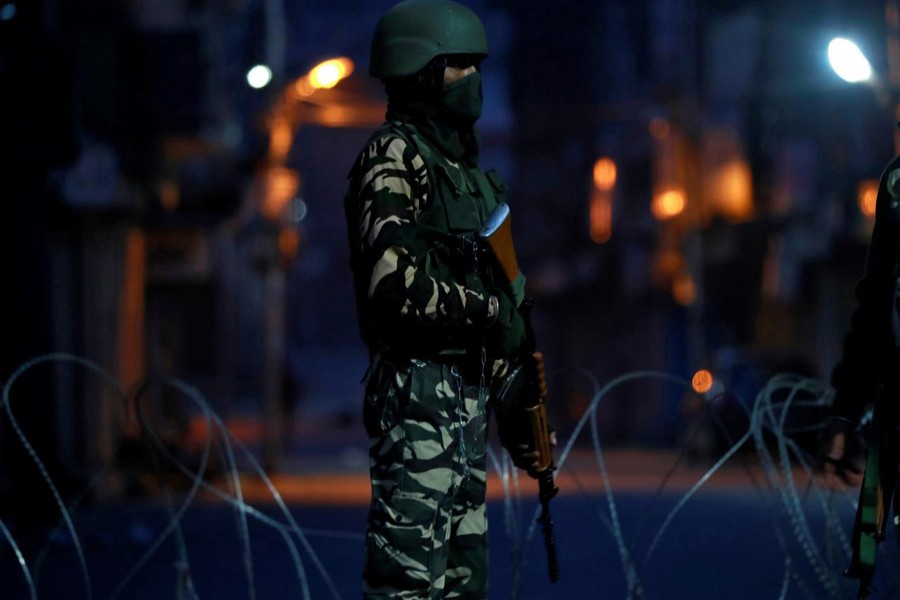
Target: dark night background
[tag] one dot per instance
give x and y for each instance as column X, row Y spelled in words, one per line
column 165, row 219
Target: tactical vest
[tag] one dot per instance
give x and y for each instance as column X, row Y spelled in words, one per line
column 460, row 198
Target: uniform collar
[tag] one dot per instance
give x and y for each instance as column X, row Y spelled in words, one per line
column 458, row 142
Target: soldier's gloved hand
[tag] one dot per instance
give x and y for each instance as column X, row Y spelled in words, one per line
column 529, row 457
column 517, row 289
column 505, row 335
column 521, row 449
column 840, row 454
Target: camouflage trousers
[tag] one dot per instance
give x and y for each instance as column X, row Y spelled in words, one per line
column 427, row 530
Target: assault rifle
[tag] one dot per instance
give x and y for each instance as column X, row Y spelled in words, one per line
column 523, row 393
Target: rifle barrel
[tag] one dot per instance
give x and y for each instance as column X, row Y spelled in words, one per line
column 547, row 490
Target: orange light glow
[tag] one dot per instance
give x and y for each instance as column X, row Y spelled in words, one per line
column 702, row 381
column 659, row 128
column 281, row 136
column 280, row 187
column 668, row 204
column 867, row 194
column 601, row 217
column 734, row 191
column 289, row 243
column 303, row 87
column 683, row 290
column 605, row 174
column 668, row 264
column 327, row 74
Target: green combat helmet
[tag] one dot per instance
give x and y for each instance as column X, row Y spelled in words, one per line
column 413, row 32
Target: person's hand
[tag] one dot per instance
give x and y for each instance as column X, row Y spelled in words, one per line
column 840, row 468
column 529, row 457
column 517, row 289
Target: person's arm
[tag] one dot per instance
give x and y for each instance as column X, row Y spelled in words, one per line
column 409, row 276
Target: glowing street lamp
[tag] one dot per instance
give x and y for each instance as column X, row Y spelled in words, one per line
column 259, row 76
column 324, row 75
column 851, row 65
column 848, row 61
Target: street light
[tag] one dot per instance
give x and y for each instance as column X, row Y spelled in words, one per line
column 848, row 61
column 324, row 75
column 259, row 76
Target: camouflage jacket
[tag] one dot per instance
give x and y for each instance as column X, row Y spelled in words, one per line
column 411, row 216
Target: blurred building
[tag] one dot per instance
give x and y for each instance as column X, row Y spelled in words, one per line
column 684, row 181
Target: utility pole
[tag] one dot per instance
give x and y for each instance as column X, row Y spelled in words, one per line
column 273, row 272
column 892, row 22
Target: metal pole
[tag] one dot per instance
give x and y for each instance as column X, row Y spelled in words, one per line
column 892, row 22
column 273, row 329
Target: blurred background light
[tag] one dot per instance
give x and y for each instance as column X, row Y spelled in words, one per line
column 601, row 217
column 702, row 381
column 601, row 200
column 848, row 61
column 280, row 186
column 668, row 203
column 300, row 209
column 8, row 12
column 259, row 76
column 327, row 74
column 867, row 194
column 684, row 292
column 605, row 174
column 733, row 190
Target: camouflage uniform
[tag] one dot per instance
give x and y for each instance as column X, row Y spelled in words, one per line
column 423, row 308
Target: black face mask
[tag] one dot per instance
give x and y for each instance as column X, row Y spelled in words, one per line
column 463, row 99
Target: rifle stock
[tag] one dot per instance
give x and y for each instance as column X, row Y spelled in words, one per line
column 498, row 234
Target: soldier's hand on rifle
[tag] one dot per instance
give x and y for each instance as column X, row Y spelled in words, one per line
column 517, row 289
column 529, row 457
column 526, row 457
column 505, row 335
column 840, row 461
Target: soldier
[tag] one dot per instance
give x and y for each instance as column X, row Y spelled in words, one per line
column 868, row 365
column 868, row 375
column 437, row 330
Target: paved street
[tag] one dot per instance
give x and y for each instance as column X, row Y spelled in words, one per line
column 722, row 544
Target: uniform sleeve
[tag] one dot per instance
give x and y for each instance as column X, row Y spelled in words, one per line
column 408, row 275
column 857, row 376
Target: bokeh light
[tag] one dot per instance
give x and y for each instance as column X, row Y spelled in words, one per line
column 327, row 74
column 605, row 174
column 259, row 76
column 848, row 61
column 668, row 203
column 702, row 381
column 867, row 195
